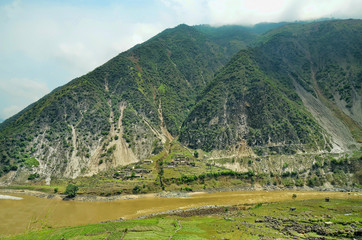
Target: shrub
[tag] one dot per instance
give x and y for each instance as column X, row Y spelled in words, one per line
column 299, row 183
column 13, row 168
column 258, row 205
column 71, row 190
column 33, row 176
column 30, row 162
column 111, row 150
column 286, row 174
column 136, row 190
column 156, row 146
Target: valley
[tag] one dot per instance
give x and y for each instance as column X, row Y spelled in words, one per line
column 249, row 119
column 229, row 92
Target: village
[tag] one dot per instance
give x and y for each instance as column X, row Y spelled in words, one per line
column 144, row 168
column 180, row 159
column 132, row 172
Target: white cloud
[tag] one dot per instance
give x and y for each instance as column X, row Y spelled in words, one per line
column 188, row 11
column 15, row 94
column 77, row 38
column 245, row 12
column 25, row 88
column 248, row 12
column 10, row 111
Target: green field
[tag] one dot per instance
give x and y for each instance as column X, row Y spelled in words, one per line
column 311, row 219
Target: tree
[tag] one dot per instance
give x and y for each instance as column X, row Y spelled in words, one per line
column 136, row 189
column 196, row 154
column 13, row 168
column 71, row 190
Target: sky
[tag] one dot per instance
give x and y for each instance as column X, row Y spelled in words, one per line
column 45, row 44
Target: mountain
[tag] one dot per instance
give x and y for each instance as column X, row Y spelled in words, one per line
column 298, row 89
column 123, row 111
column 256, row 92
column 325, row 58
column 243, row 106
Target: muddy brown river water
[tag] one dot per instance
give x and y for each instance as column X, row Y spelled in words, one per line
column 18, row 216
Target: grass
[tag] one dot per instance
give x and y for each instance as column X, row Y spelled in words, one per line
column 274, row 220
column 200, row 168
column 157, row 228
column 40, row 188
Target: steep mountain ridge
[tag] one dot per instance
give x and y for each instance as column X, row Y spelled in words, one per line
column 288, row 62
column 277, row 97
column 243, row 104
column 324, row 58
column 121, row 112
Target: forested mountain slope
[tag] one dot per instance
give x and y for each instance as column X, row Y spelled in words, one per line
column 294, row 89
column 299, row 88
column 121, row 112
column 326, row 59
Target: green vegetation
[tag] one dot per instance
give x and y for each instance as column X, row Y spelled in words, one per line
column 176, row 169
column 196, row 84
column 166, row 72
column 256, row 91
column 31, row 162
column 242, row 97
column 324, row 58
column 71, row 190
column 33, row 176
column 337, row 219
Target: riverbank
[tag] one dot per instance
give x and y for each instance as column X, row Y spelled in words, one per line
column 34, row 213
column 92, row 198
column 167, row 194
column 293, row 219
column 82, row 198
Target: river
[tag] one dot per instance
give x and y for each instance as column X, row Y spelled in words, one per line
column 18, row 216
